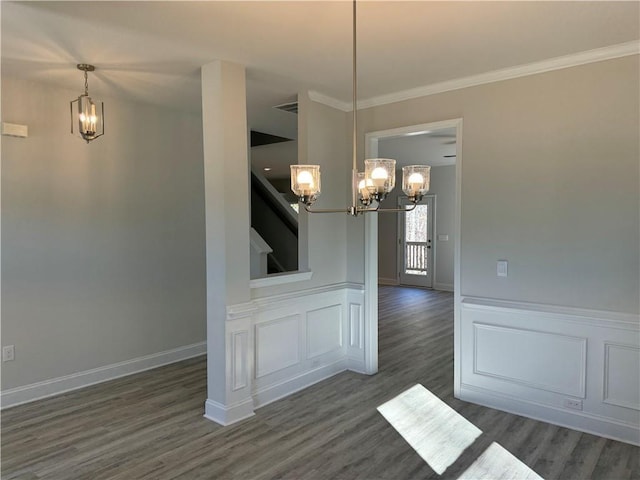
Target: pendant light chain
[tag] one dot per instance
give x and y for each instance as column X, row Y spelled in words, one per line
column 86, row 84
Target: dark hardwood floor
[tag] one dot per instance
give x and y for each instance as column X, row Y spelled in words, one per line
column 150, row 425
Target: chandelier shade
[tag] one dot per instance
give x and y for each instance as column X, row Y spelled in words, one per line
column 363, row 191
column 415, row 181
column 380, row 176
column 305, row 182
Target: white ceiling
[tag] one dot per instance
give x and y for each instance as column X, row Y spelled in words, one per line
column 152, row 51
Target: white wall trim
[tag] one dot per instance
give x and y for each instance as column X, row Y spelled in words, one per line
column 226, row 415
column 577, row 390
column 66, row 383
column 274, row 392
column 263, row 302
column 571, row 314
column 284, row 364
column 280, row 279
column 557, row 63
column 606, row 394
column 330, row 101
column 565, row 357
column 240, row 310
column 303, row 337
column 585, row 422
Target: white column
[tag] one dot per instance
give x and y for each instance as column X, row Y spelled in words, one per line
column 226, row 179
column 371, row 293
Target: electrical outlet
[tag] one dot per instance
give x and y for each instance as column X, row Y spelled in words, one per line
column 574, row 404
column 8, row 353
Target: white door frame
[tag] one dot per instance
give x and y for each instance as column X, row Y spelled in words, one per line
column 371, row 248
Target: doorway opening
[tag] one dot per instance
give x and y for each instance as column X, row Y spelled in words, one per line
column 381, row 257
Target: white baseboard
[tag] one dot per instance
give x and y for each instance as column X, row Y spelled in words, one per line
column 224, row 415
column 56, row 386
column 445, row 287
column 584, row 422
column 277, row 391
column 356, row 365
column 388, row 281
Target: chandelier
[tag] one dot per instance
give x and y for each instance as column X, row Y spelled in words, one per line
column 368, row 188
column 90, row 121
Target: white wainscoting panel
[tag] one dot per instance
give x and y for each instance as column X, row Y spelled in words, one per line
column 277, row 345
column 552, row 362
column 356, row 328
column 239, row 360
column 324, row 330
column 572, row 367
column 305, row 337
column 620, row 388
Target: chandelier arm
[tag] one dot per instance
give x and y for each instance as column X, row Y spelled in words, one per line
column 392, row 210
column 326, row 210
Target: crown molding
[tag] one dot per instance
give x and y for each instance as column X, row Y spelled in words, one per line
column 329, row 101
column 551, row 64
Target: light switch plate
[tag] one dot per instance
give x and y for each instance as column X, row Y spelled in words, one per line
column 503, row 267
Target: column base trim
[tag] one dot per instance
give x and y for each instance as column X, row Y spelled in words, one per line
column 226, row 415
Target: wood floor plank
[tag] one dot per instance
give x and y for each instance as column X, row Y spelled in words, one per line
column 150, row 426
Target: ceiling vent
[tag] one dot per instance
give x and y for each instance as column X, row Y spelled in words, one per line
column 291, row 107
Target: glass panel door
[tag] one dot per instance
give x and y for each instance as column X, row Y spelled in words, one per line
column 415, row 256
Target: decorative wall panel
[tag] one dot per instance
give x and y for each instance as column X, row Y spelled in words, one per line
column 277, row 345
column 324, row 330
column 622, row 375
column 239, row 364
column 552, row 362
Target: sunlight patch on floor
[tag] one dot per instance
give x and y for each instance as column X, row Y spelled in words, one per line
column 437, row 432
column 439, row 435
column 497, row 462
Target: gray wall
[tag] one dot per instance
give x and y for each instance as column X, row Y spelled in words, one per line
column 103, row 254
column 549, row 181
column 443, row 186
